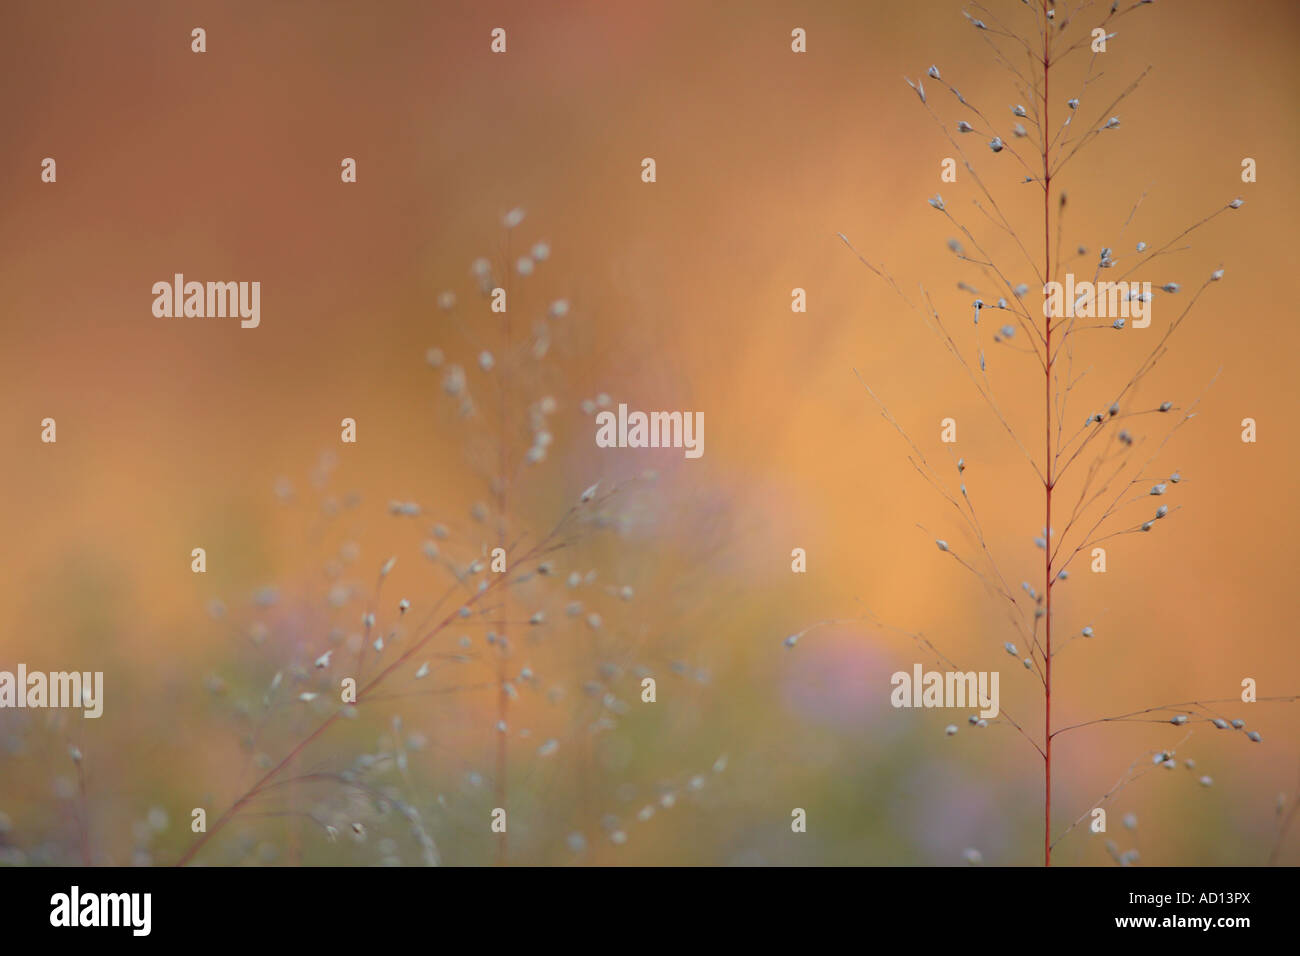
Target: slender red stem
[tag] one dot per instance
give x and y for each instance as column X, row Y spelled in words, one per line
column 256, row 789
column 1047, row 408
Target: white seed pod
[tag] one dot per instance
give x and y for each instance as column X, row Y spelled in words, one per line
column 1216, row 275
column 1112, row 123
column 1020, row 290
column 933, row 72
column 486, row 361
column 1162, row 511
column 513, row 218
column 1087, row 631
column 1170, row 287
column 1220, row 723
column 791, row 640
column 537, row 618
column 950, row 729
column 368, row 619
column 1179, row 720
column 1159, row 489
column 324, row 660
column 1063, row 576
column 423, row 671
column 1141, row 247
column 589, row 493
column 941, row 544
column 996, row 144
column 403, row 606
column 1238, row 724
column 307, row 697
column 936, row 201
column 541, row 251
column 1146, row 526
column 964, row 127
column 1254, row 735
column 1011, row 649
column 1207, row 782
column 1165, row 406
column 1236, row 203
column 1029, row 663
column 1175, row 478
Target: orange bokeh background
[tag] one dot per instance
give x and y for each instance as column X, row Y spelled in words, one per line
column 225, row 166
